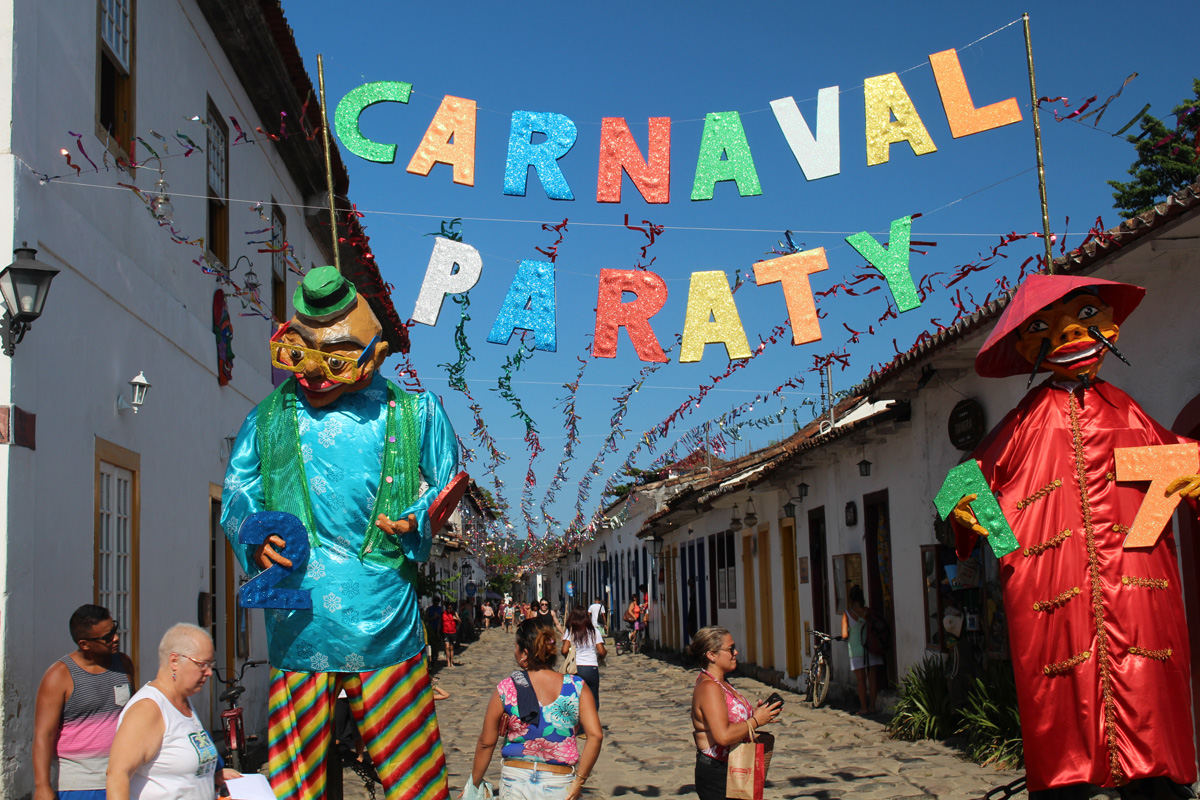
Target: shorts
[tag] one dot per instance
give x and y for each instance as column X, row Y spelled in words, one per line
column 450, row 638
column 533, row 784
column 864, row 661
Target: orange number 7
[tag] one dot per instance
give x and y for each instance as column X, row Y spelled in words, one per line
column 1159, row 464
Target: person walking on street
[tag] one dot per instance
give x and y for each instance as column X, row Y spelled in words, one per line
column 864, row 664
column 537, row 710
column 599, row 618
column 161, row 751
column 78, row 703
column 450, row 633
column 488, row 614
column 721, row 717
column 510, row 613
column 632, row 617
column 589, row 648
column 545, row 616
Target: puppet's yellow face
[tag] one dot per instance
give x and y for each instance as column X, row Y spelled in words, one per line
column 1064, row 324
column 331, row 358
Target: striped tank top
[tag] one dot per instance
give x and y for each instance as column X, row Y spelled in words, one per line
column 89, row 722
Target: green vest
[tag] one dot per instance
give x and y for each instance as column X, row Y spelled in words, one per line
column 285, row 486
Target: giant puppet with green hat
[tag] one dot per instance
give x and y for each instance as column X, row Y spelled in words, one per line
column 324, row 507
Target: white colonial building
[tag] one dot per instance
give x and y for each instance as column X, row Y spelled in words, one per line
column 98, row 503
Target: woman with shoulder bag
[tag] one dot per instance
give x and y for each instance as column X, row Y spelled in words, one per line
column 537, row 710
column 721, row 717
column 589, row 648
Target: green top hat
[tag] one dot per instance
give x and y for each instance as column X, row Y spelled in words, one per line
column 324, row 294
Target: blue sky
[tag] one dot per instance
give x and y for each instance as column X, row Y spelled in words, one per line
column 588, row 61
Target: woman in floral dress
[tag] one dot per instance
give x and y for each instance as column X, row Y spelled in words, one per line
column 538, row 710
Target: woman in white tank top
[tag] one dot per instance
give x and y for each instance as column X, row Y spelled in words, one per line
column 161, row 751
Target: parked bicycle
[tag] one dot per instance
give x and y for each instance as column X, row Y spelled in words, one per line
column 236, row 741
column 819, row 668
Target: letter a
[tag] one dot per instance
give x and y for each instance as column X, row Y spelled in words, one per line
column 532, row 286
column 712, row 317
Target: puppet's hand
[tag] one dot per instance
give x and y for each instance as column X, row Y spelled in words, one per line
column 396, row 527
column 965, row 517
column 1187, row 485
column 266, row 556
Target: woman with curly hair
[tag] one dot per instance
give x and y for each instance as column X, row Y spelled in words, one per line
column 537, row 710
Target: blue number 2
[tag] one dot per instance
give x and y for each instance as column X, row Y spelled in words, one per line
column 262, row 591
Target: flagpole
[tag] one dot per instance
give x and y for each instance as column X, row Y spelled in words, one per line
column 337, row 259
column 1037, row 138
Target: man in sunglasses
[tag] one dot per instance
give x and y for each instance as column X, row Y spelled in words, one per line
column 359, row 461
column 78, row 703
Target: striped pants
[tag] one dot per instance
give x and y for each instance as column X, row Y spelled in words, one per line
column 393, row 708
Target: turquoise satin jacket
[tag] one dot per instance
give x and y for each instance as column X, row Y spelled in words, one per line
column 364, row 615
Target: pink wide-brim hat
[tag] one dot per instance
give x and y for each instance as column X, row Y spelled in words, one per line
column 998, row 358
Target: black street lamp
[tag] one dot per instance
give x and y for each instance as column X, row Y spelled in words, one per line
column 24, row 285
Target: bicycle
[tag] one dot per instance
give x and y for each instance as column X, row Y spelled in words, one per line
column 232, row 727
column 819, row 668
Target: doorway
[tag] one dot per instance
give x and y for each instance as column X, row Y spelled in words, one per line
column 877, row 534
column 791, row 598
column 1187, row 530
column 818, row 571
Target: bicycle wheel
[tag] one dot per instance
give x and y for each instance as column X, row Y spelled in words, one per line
column 820, row 682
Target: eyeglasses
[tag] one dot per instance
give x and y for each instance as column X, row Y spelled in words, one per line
column 208, row 665
column 337, row 368
column 106, row 638
column 731, row 649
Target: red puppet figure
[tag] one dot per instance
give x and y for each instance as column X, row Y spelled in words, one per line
column 1096, row 627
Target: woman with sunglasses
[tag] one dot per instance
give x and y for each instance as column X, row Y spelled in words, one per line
column 546, row 616
column 538, row 710
column 161, row 751
column 721, row 717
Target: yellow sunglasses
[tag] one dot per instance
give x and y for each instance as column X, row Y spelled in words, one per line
column 335, row 367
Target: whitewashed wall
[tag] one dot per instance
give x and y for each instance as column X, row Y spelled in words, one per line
column 127, row 299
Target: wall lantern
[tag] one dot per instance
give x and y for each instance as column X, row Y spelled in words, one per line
column 735, row 522
column 578, row 555
column 851, row 514
column 751, row 518
column 864, row 468
column 602, row 554
column 438, row 548
column 140, row 387
column 656, row 546
column 24, row 285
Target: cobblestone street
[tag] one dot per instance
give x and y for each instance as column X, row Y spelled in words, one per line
column 820, row 753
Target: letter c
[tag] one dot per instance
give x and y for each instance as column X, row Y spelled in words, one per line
column 351, row 107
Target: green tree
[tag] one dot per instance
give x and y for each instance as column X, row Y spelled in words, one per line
column 1162, row 167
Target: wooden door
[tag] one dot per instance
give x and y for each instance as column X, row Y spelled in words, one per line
column 751, row 643
column 791, row 597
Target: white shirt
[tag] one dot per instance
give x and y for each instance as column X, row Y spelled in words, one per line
column 186, row 762
column 585, row 654
column 595, row 609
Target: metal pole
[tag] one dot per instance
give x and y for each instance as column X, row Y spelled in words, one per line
column 1037, row 139
column 337, row 258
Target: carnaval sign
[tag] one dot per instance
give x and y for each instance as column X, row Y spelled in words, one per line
column 725, row 155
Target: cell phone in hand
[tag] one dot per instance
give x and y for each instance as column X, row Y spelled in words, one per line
column 775, row 697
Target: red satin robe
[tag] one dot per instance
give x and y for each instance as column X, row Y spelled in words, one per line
column 1088, row 620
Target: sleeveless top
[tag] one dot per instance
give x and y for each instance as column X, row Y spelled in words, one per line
column 549, row 739
column 856, row 641
column 89, row 722
column 739, row 710
column 186, row 762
